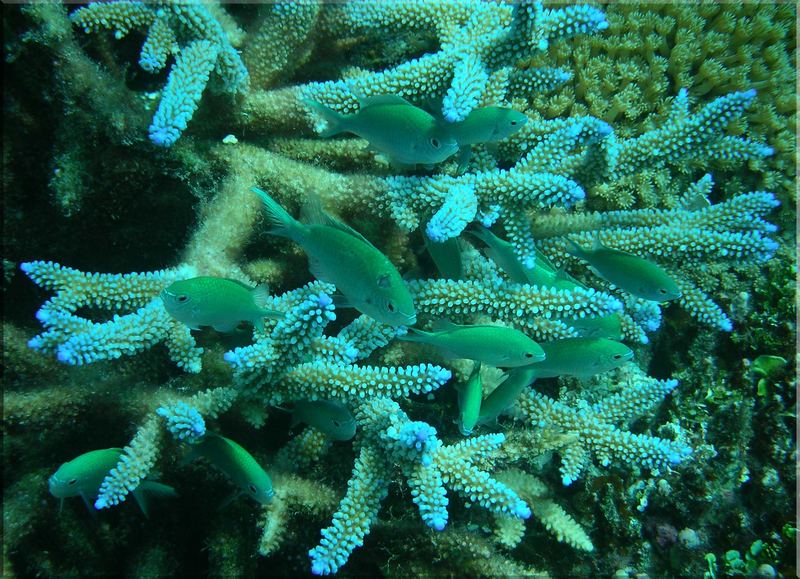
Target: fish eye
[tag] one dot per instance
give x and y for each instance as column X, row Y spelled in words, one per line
column 336, row 423
column 72, row 481
column 183, row 298
column 513, row 123
column 435, row 143
column 390, row 307
column 528, row 355
column 253, row 488
column 662, row 291
column 617, row 356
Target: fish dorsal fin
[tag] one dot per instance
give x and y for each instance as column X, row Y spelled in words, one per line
column 313, row 214
column 381, row 100
column 412, row 274
column 444, row 325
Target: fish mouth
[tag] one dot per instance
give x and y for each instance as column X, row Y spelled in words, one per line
column 410, row 320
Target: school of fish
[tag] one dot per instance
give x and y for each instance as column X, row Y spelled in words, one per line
column 407, row 136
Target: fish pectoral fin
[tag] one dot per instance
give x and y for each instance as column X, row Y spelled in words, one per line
column 464, row 155
column 412, row 274
column 89, row 506
column 226, row 326
column 340, row 301
column 399, row 165
column 260, row 294
column 86, row 502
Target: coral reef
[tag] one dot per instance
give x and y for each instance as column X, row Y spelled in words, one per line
column 134, row 134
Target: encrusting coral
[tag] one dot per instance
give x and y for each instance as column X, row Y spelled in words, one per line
column 558, row 177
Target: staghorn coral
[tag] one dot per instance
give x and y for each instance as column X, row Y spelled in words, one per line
column 689, row 240
column 572, row 164
column 650, row 50
column 592, row 427
column 168, row 25
column 550, row 514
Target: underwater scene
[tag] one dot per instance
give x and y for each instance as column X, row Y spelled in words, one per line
column 458, row 288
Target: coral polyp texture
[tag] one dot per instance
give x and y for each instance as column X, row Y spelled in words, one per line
column 656, row 134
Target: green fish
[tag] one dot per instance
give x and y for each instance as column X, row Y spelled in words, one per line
column 484, row 125
column 237, row 463
column 487, row 125
column 218, row 302
column 505, row 394
column 339, row 255
column 447, row 257
column 542, row 274
column 628, row 272
column 83, row 475
column 582, row 357
column 328, row 416
column 470, row 394
column 605, row 327
column 406, row 134
column 493, row 345
column 502, row 253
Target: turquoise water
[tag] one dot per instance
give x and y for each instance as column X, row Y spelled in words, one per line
column 659, row 138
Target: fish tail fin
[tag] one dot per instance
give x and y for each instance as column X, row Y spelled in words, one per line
column 141, row 500
column 573, row 248
column 279, row 220
column 334, row 121
column 157, row 488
